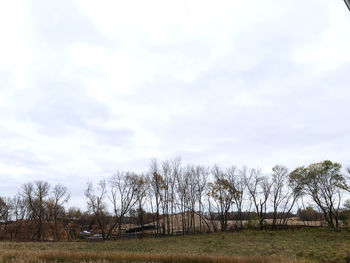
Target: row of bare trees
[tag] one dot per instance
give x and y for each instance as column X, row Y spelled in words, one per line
column 175, row 199
column 36, row 203
column 186, row 199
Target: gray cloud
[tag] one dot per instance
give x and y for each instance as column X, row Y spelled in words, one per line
column 86, row 89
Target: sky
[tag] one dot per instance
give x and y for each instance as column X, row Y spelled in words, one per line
column 91, row 87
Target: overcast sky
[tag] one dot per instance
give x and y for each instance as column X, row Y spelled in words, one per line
column 91, row 87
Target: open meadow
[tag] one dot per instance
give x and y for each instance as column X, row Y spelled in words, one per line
column 303, row 245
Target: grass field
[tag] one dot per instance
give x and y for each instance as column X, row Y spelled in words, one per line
column 304, row 245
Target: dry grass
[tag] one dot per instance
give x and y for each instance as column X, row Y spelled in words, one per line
column 303, row 245
column 207, row 225
column 79, row 257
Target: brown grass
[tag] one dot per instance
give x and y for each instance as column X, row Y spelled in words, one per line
column 207, row 225
column 291, row 246
column 87, row 257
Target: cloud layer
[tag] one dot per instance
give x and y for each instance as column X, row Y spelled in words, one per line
column 87, row 88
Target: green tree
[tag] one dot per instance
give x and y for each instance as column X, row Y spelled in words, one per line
column 325, row 184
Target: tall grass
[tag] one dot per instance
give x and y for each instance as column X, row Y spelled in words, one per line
column 86, row 257
column 305, row 245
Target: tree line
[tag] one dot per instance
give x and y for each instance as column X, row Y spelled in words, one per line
column 173, row 198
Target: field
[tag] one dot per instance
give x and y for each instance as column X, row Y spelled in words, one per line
column 303, row 245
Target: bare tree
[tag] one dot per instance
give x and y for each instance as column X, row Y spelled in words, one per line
column 292, row 194
column 175, row 170
column 5, row 211
column 35, row 196
column 201, row 179
column 165, row 196
column 123, row 197
column 278, row 187
column 96, row 204
column 259, row 189
column 19, row 212
column 60, row 197
column 156, row 184
column 182, row 182
column 191, row 197
column 142, row 186
column 236, row 179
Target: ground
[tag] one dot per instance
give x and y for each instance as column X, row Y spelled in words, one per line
column 303, row 245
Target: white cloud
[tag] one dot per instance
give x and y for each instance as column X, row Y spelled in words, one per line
column 330, row 51
column 87, row 88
